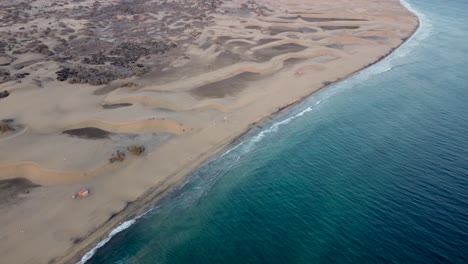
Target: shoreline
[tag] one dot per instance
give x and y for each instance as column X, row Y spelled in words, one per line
column 149, row 199
column 213, row 81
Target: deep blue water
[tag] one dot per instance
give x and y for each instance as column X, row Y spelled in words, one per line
column 373, row 170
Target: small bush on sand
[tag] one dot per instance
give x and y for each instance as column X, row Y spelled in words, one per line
column 6, row 127
column 136, row 150
column 118, row 156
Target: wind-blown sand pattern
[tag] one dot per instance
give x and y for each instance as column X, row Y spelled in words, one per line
column 80, row 80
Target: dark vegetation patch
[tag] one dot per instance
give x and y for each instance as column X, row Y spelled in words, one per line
column 327, row 19
column 4, row 94
column 278, row 30
column 270, row 52
column 111, row 87
column 21, row 75
column 114, row 106
column 375, row 38
column 322, row 19
column 91, row 75
column 118, row 156
column 137, row 150
column 254, row 27
column 123, row 38
column 226, row 87
column 128, row 52
column 266, row 41
column 338, row 27
column 292, row 61
column 7, row 125
column 88, row 133
column 337, row 46
column 12, row 189
column 5, row 77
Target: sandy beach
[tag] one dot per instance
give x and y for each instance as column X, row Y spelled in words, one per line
column 81, row 81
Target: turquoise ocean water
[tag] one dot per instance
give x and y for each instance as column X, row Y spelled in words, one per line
column 372, row 170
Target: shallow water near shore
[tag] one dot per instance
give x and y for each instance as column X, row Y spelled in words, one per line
column 371, row 170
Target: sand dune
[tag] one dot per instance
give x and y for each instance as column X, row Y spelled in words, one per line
column 274, row 64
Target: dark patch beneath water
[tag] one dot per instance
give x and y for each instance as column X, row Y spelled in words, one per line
column 88, row 133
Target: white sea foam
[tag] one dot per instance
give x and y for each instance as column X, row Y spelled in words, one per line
column 250, row 143
column 424, row 30
column 114, row 232
column 385, row 65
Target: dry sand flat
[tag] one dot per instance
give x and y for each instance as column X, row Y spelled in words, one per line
column 80, row 80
